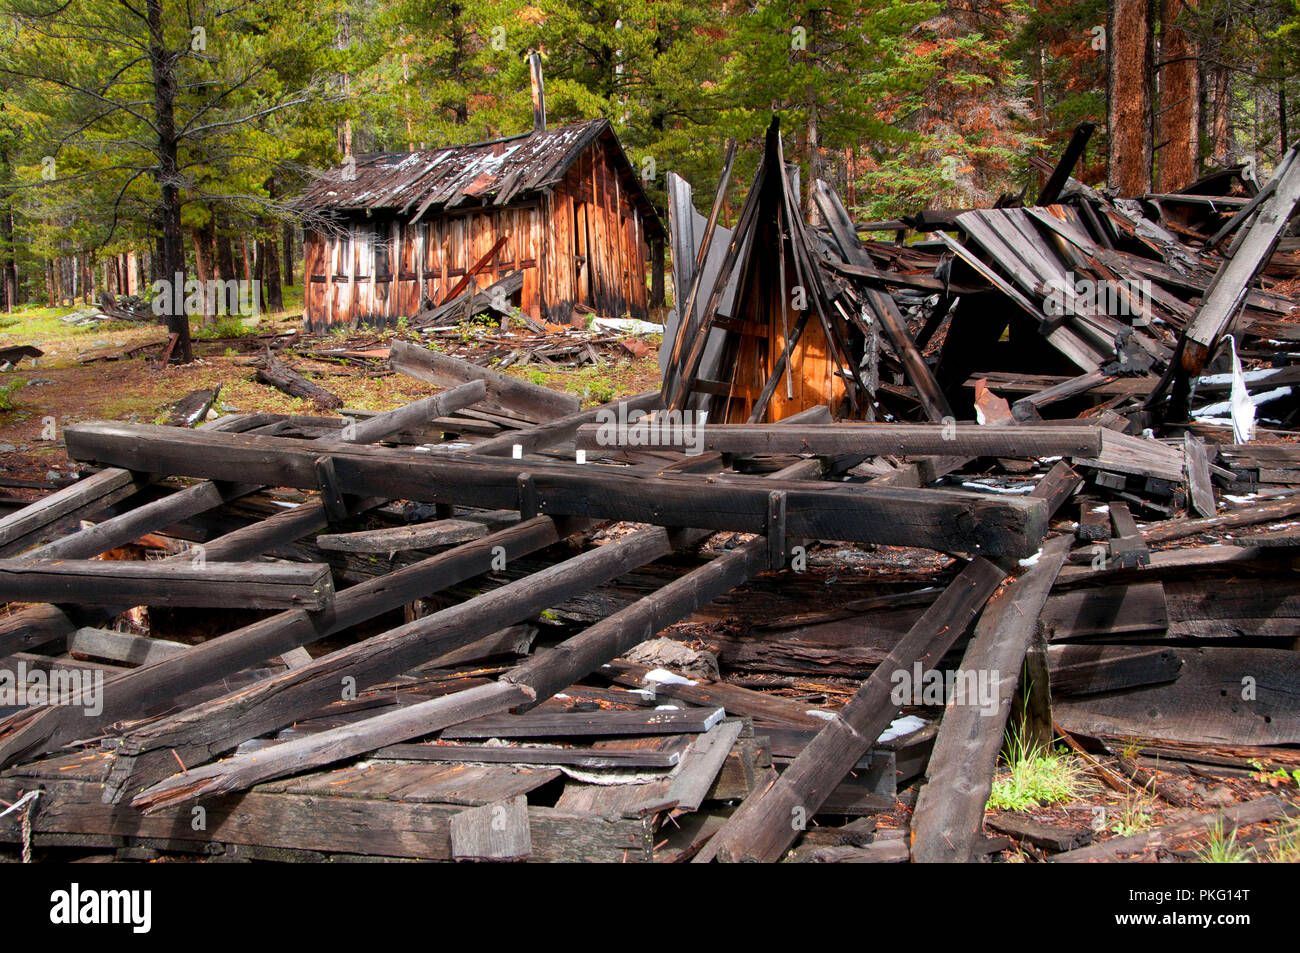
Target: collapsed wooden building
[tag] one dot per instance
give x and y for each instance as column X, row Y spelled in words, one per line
column 484, row 628
column 560, row 211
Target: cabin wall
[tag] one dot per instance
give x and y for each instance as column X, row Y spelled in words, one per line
column 597, row 252
column 375, row 271
column 582, row 244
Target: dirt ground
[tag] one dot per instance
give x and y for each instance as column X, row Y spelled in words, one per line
column 71, row 382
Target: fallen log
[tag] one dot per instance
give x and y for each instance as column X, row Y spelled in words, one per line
column 506, row 393
column 284, row 378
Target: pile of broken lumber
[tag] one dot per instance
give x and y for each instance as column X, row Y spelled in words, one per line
column 799, row 628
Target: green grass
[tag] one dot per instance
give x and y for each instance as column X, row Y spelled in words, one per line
column 1222, row 848
column 1035, row 776
column 1132, row 817
column 7, row 390
column 33, row 325
column 1287, row 849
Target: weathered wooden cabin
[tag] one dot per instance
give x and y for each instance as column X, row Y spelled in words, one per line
column 394, row 234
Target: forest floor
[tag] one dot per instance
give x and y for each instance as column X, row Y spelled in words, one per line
column 80, row 377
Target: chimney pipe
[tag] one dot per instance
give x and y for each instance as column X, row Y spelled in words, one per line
column 539, row 92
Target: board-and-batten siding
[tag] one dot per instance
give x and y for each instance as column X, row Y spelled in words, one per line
column 581, row 243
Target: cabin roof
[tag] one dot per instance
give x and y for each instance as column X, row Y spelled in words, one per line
column 497, row 172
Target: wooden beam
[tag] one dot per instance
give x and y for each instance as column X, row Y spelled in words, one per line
column 948, row 520
column 969, row 440
column 150, row 689
column 414, row 415
column 123, row 646
column 556, row 432
column 97, row 582
column 19, row 530
column 396, row 539
column 949, row 814
column 1069, row 159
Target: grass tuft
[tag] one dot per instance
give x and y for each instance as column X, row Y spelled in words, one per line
column 1222, row 848
column 1035, row 776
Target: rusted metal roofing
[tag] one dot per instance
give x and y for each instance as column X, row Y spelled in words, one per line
column 497, row 172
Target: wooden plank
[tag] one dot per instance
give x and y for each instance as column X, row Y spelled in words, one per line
column 580, row 724
column 123, row 647
column 762, row 828
column 496, row 832
column 949, row 810
column 381, row 828
column 700, row 765
column 1198, row 475
column 397, row 539
column 761, row 706
column 97, row 582
column 1205, row 704
column 1093, row 669
column 579, row 757
column 1249, row 515
column 971, row 440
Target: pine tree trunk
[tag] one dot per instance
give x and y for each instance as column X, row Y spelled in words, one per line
column 8, row 265
column 1222, row 145
column 288, row 254
column 163, row 69
column 225, row 251
column 201, row 238
column 1128, row 95
column 271, row 274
